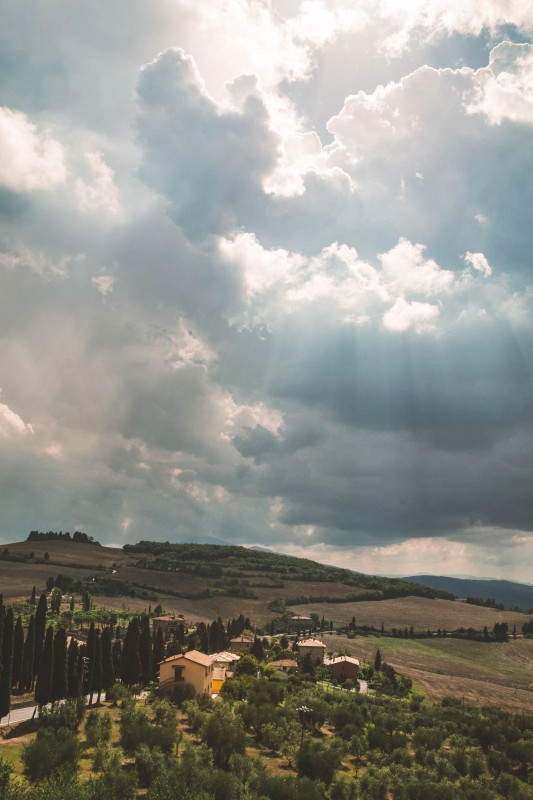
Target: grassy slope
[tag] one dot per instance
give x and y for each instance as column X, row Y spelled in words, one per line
column 485, row 673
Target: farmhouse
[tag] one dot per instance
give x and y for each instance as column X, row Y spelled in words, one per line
column 206, row 673
column 344, row 667
column 240, row 643
column 313, row 648
column 166, row 623
column 287, row 665
column 193, row 667
column 300, row 622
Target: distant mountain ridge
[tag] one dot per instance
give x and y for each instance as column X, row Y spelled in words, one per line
column 509, row 593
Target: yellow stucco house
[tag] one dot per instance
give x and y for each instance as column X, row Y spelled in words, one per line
column 206, row 673
column 193, row 667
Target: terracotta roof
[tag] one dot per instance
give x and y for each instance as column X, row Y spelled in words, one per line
column 191, row 655
column 340, row 659
column 225, row 656
column 200, row 658
column 311, row 643
column 219, row 674
column 284, row 662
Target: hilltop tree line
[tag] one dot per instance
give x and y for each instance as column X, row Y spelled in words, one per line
column 209, row 560
column 77, row 536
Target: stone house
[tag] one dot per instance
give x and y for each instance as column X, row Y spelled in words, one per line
column 344, row 667
column 314, row 648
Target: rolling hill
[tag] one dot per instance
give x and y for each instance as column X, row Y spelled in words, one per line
column 511, row 594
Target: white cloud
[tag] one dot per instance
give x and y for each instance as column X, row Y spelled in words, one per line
column 11, row 423
column 100, row 194
column 406, row 271
column 428, row 19
column 104, row 284
column 31, row 160
column 16, row 255
column 478, row 262
column 403, row 316
column 260, row 268
column 504, row 90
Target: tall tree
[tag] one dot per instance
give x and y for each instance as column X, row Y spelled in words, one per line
column 158, row 653
column 377, row 660
column 7, row 662
column 59, row 671
column 108, row 671
column 18, row 649
column 40, row 628
column 97, row 670
column 26, row 670
column 55, row 600
column 130, row 665
column 87, row 601
column 145, row 650
column 43, row 684
column 90, row 654
column 73, row 674
column 32, row 598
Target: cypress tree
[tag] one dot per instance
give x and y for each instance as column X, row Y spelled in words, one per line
column 158, row 653
column 7, row 662
column 108, row 671
column 43, row 684
column 257, row 649
column 97, row 669
column 377, row 660
column 59, row 672
column 89, row 674
column 18, row 649
column 40, row 628
column 145, row 651
column 73, row 674
column 26, row 670
column 32, row 598
column 116, row 654
column 130, row 665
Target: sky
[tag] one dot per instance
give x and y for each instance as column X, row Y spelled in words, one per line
column 265, row 275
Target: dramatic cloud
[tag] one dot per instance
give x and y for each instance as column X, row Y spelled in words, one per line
column 31, row 160
column 265, row 275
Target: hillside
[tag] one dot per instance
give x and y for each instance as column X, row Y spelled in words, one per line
column 509, row 593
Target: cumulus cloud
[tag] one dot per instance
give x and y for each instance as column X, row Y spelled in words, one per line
column 404, row 315
column 313, row 337
column 478, row 262
column 504, row 90
column 208, row 162
column 101, row 194
column 31, row 159
column 11, row 423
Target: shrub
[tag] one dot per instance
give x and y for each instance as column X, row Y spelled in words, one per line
column 149, row 762
column 319, row 761
column 67, row 714
column 48, row 751
column 98, row 728
column 181, row 693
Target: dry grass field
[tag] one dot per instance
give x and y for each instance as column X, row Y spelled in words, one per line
column 423, row 614
column 484, row 673
column 70, row 558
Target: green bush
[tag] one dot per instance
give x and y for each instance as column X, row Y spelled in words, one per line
column 50, row 750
